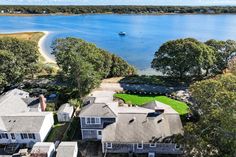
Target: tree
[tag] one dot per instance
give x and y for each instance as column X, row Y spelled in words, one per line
column 84, row 65
column 18, row 60
column 215, row 133
column 232, row 66
column 225, row 51
column 9, row 72
column 184, row 58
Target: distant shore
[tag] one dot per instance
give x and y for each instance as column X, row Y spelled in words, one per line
column 108, row 13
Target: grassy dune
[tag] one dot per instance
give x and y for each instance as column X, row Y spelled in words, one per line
column 32, row 36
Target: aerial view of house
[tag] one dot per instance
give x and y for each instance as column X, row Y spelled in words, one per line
column 117, row 78
column 130, row 129
column 22, row 119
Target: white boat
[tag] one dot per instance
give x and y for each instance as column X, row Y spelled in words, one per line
column 122, row 33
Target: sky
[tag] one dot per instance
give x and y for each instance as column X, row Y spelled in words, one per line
column 118, row 2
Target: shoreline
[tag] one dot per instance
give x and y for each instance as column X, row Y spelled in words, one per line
column 109, row 13
column 42, row 51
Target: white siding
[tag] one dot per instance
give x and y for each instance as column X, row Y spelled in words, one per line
column 18, row 139
column 46, row 127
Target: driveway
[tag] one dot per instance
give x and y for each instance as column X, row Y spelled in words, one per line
column 138, row 88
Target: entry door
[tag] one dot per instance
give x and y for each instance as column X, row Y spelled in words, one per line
column 99, row 134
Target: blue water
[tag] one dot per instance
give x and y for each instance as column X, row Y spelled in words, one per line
column 145, row 33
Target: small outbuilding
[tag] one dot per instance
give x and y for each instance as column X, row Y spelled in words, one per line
column 69, row 149
column 65, row 112
column 43, row 149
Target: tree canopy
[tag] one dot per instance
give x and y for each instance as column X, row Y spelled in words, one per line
column 215, row 133
column 184, row 57
column 84, row 65
column 18, row 60
column 191, row 58
column 225, row 51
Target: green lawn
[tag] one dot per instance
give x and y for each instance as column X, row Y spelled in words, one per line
column 57, row 131
column 181, row 107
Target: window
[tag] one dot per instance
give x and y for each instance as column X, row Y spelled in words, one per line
column 4, row 135
column 88, row 121
column 21, row 135
column 99, row 132
column 98, row 120
column 25, row 136
column 31, row 136
column 93, row 120
column 13, row 136
column 152, row 145
column 177, row 146
column 109, row 145
column 139, row 146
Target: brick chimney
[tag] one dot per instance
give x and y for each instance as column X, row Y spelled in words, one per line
column 42, row 101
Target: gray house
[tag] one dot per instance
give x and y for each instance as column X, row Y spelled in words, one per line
column 94, row 118
column 146, row 129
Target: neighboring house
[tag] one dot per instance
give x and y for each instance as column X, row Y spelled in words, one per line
column 65, row 112
column 146, row 129
column 69, row 149
column 22, row 119
column 25, row 127
column 43, row 149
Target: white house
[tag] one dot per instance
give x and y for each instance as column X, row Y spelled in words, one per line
column 21, row 119
column 69, row 149
column 65, row 112
column 25, row 127
column 45, row 149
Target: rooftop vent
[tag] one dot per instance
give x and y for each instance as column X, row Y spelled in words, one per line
column 159, row 121
column 132, row 120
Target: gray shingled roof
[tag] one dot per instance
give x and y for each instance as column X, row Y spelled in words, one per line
column 24, row 122
column 12, row 102
column 66, row 149
column 97, row 110
column 134, row 128
column 155, row 105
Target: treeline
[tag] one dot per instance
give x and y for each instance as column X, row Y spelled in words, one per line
column 117, row 9
column 83, row 65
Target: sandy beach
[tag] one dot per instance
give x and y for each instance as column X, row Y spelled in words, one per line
column 42, row 51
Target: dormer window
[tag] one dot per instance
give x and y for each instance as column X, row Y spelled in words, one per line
column 109, row 145
column 152, row 145
column 140, row 146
